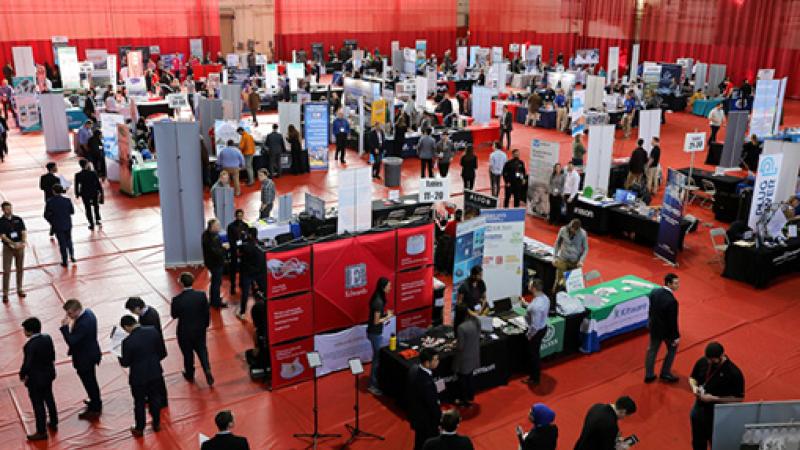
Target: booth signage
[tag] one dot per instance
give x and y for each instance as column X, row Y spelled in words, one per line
column 290, row 318
column 669, row 229
column 769, row 170
column 695, row 142
column 288, row 272
column 434, row 190
column 414, row 247
column 316, row 129
column 479, row 201
column 502, row 252
column 414, row 289
column 289, row 363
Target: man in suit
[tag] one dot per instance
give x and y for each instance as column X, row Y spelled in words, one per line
column 81, row 339
column 224, row 439
column 449, row 439
column 253, row 266
column 663, row 325
column 214, row 259
column 375, row 140
column 506, row 125
column 38, row 372
column 423, row 398
column 58, row 213
column 148, row 316
column 46, row 183
column 516, row 178
column 89, row 189
column 276, row 146
column 236, row 234
column 141, row 352
column 467, row 358
column 191, row 309
column 600, row 427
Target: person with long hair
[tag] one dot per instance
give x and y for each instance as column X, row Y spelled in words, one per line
column 469, row 163
column 296, row 147
column 400, row 128
column 557, row 179
column 378, row 315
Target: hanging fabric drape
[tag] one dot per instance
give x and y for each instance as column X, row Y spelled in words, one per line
column 373, row 23
column 107, row 24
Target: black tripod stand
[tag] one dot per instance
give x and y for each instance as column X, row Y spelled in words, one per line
column 316, row 436
column 355, row 431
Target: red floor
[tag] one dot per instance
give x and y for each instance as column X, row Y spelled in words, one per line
column 125, row 258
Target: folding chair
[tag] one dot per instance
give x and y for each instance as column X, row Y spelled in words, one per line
column 719, row 242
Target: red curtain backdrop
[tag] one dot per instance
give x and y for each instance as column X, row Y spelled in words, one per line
column 107, row 24
column 373, row 23
column 562, row 26
column 745, row 35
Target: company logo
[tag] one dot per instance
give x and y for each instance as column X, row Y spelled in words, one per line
column 355, row 276
column 583, row 212
column 550, row 333
column 415, row 244
column 768, row 167
column 291, row 268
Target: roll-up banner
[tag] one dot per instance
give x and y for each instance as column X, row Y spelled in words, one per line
column 669, row 229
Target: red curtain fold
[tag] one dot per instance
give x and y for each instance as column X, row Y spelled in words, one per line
column 373, row 23
column 107, row 24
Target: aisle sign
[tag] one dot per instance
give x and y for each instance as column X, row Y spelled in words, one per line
column 177, row 101
column 434, row 190
column 695, row 142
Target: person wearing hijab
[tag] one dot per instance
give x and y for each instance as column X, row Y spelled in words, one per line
column 378, row 315
column 544, row 434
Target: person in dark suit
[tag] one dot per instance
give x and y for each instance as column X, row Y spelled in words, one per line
column 449, row 439
column 445, row 107
column 191, row 309
column 423, row 398
column 89, row 189
column 148, row 316
column 253, row 266
column 224, row 439
column 141, row 352
column 236, row 233
column 506, row 125
column 375, row 140
column 46, row 183
column 544, row 434
column 214, row 259
column 663, row 326
column 258, row 313
column 276, row 146
column 81, row 339
column 58, row 212
column 516, row 180
column 38, row 372
column 600, row 429
column 467, row 358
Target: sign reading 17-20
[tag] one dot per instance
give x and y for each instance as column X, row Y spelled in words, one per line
column 434, row 190
column 695, row 142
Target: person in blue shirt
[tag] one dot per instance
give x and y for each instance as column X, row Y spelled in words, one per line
column 341, row 128
column 84, row 134
column 561, row 110
column 230, row 160
column 630, row 110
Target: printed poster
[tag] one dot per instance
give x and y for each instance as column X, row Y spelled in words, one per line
column 669, row 229
column 544, row 155
column 502, row 252
column 315, row 130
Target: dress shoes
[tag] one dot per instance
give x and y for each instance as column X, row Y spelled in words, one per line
column 669, row 378
column 37, row 437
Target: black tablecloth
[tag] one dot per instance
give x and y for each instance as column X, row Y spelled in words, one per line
column 594, row 218
column 544, row 270
column 728, row 203
column 758, row 266
column 382, row 208
column 148, row 109
column 622, row 220
column 714, row 154
column 495, row 369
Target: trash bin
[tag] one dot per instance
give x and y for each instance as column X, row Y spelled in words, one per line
column 392, row 166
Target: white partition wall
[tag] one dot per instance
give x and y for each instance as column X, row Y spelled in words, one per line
column 594, row 92
column 232, row 93
column 700, row 72
column 634, row 68
column 208, row 112
column 482, row 104
column 23, row 62
column 599, row 154
column 288, row 114
column 716, row 74
column 54, row 123
column 180, row 191
column 649, row 126
column 734, row 139
column 612, row 72
column 790, row 165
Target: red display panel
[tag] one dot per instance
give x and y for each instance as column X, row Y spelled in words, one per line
column 345, row 275
column 414, row 247
column 413, row 323
column 290, row 318
column 414, row 289
column 289, row 363
column 288, row 272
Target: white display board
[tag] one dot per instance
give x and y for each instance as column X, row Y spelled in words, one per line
column 765, row 107
column 54, row 123
column 633, row 70
column 421, row 93
column 355, row 200
column 790, row 167
column 482, row 104
column 23, row 62
column 612, row 72
column 595, row 91
column 544, row 155
column 295, row 72
column 503, row 252
column 289, row 113
column 70, row 69
column 649, row 126
column 598, row 157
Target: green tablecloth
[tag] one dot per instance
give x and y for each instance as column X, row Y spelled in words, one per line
column 620, row 312
column 703, row 107
column 553, row 341
column 145, row 178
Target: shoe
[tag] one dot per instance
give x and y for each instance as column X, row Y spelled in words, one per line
column 91, row 227
column 188, row 377
column 98, row 223
column 63, row 264
column 73, row 260
column 669, row 378
column 21, row 294
column 137, row 432
column 37, row 437
column 375, row 391
column 156, row 427
column 650, row 379
column 221, row 305
column 209, row 379
column 52, row 426
column 5, row 299
column 240, row 316
column 89, row 415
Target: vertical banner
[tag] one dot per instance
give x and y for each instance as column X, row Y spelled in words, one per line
column 544, row 155
column 502, row 252
column 27, row 104
column 598, row 157
column 633, row 69
column 271, row 77
column 108, row 126
column 135, row 64
column 651, row 75
column 765, row 107
column 669, row 229
column 769, row 169
column 355, row 200
column 196, row 48
column 576, row 112
column 58, row 42
column 70, row 70
column 421, row 48
column 482, row 104
column 111, row 63
column 468, row 251
column 23, row 62
column 124, row 152
column 421, row 92
column 315, row 131
column 378, row 112
column 612, row 72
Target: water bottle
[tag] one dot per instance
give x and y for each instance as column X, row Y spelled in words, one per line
column 393, row 343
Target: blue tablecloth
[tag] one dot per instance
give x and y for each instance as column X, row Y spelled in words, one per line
column 522, row 114
column 703, row 107
column 75, row 118
column 547, row 119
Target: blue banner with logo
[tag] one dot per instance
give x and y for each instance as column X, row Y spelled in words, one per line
column 468, row 250
column 315, row 131
column 669, row 229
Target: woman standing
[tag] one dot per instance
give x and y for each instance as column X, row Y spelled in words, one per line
column 400, row 128
column 377, row 317
column 557, row 178
column 578, row 150
column 445, row 154
column 469, row 164
column 298, row 164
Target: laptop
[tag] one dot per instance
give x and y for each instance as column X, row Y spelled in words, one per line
column 503, row 308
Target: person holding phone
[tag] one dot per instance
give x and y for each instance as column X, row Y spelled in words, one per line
column 377, row 317
column 601, row 429
column 544, row 434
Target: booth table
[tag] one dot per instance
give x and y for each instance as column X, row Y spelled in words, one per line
column 620, row 312
column 146, row 109
column 594, row 215
column 758, row 266
column 381, row 208
column 538, row 256
column 727, row 199
column 75, row 118
column 701, row 107
column 145, row 178
column 624, row 219
column 484, row 135
column 547, row 119
column 714, row 154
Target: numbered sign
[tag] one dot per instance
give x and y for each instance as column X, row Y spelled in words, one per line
column 695, row 142
column 434, row 190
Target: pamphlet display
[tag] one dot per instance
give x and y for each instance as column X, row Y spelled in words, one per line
column 669, row 229
column 316, row 131
column 544, row 155
column 502, row 252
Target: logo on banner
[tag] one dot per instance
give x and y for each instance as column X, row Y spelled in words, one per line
column 415, row 244
column 291, row 268
column 355, row 277
column 768, row 167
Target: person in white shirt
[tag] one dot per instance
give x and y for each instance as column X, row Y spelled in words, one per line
column 572, row 185
column 715, row 120
column 497, row 159
column 536, row 318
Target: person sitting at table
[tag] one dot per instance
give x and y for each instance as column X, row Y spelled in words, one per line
column 751, row 151
column 570, row 250
column 534, row 103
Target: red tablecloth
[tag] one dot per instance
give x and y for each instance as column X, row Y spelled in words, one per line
column 451, row 86
column 202, row 70
column 484, row 135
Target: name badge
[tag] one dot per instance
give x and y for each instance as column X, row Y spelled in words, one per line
column 440, row 386
column 13, row 235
